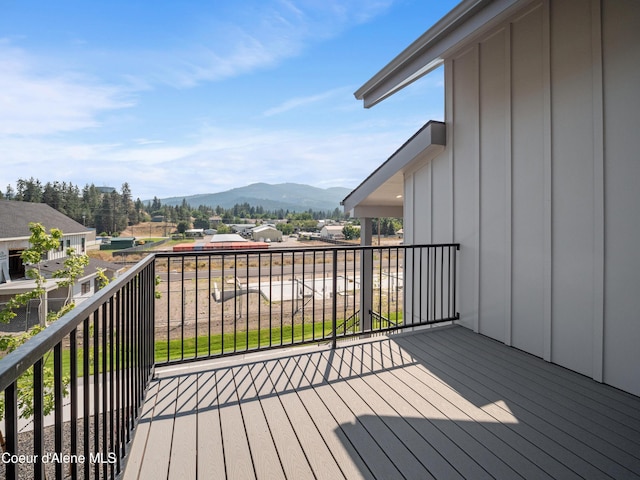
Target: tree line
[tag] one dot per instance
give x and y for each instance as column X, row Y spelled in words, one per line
column 111, row 211
column 235, row 214
column 103, row 208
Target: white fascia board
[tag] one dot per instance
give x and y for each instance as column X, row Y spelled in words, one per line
column 460, row 25
column 367, row 211
column 425, row 144
column 14, row 239
column 22, row 286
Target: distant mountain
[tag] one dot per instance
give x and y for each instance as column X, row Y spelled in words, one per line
column 294, row 197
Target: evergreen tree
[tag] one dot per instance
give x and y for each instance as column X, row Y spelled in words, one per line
column 29, row 190
column 128, row 206
column 155, row 205
column 51, row 196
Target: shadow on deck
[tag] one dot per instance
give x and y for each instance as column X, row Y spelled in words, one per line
column 441, row 403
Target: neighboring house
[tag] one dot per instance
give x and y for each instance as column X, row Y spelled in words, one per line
column 87, row 283
column 535, row 172
column 14, row 234
column 266, row 233
column 14, row 238
column 242, row 228
column 194, row 232
column 333, row 232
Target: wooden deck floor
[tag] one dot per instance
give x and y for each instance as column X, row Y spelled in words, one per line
column 444, row 403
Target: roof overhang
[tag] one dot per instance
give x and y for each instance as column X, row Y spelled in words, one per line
column 469, row 19
column 381, row 194
column 22, row 285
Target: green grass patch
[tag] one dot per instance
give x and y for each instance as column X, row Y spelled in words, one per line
column 66, row 361
column 242, row 341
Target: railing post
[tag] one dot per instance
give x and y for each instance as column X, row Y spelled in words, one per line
column 38, row 420
column 334, row 306
column 11, row 427
column 58, row 399
column 366, row 275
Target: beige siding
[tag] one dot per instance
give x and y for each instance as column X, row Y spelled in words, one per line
column 539, row 184
column 441, row 203
column 573, row 185
column 494, row 128
column 621, row 32
column 465, row 119
column 422, row 211
column 528, row 184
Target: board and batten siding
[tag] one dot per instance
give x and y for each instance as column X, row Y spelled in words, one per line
column 539, row 185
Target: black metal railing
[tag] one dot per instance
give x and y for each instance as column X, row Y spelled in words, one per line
column 91, row 368
column 221, row 303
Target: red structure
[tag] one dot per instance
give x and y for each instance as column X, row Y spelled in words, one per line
column 203, row 247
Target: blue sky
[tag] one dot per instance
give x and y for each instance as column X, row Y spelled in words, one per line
column 179, row 98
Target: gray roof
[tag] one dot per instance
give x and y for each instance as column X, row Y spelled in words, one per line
column 16, row 216
column 262, row 228
column 228, row 237
column 48, row 267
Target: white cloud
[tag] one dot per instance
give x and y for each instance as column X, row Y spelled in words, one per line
column 215, row 160
column 259, row 35
column 36, row 103
column 146, row 141
column 39, row 111
column 298, row 102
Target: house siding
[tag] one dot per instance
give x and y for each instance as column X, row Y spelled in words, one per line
column 494, row 127
column 464, row 152
column 621, row 73
column 539, row 178
column 573, row 193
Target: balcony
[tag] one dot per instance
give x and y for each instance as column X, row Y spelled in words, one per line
column 318, row 363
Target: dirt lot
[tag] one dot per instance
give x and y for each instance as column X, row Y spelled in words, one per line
column 149, row 230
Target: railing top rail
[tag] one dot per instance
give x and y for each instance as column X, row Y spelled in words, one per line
column 18, row 361
column 220, row 251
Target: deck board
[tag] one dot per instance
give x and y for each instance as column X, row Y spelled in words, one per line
column 444, row 403
column 580, row 429
column 237, row 453
column 183, row 461
column 572, row 394
column 161, row 430
column 292, row 456
column 209, row 434
column 537, row 429
column 542, row 417
column 342, row 451
column 265, row 456
column 318, row 455
column 571, row 405
column 356, row 402
column 523, row 455
column 135, row 456
column 426, row 403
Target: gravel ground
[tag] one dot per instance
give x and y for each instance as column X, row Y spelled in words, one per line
column 25, row 447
